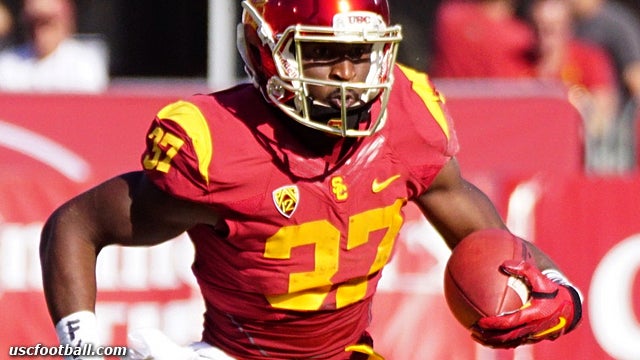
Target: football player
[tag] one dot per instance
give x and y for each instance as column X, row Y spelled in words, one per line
column 292, row 190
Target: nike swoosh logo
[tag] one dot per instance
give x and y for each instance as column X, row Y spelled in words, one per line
column 377, row 186
column 561, row 323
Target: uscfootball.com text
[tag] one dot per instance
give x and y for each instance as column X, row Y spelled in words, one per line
column 87, row 350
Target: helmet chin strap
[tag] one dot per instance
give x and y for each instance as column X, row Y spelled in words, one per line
column 327, row 114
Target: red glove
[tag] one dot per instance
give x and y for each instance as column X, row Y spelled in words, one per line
column 554, row 308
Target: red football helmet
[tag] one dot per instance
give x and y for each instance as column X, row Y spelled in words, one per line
column 270, row 38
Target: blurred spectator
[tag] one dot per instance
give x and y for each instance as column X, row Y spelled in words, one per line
column 481, row 38
column 615, row 27
column 584, row 68
column 6, row 25
column 53, row 58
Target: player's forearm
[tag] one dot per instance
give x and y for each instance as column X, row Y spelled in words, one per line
column 68, row 267
column 462, row 212
column 542, row 260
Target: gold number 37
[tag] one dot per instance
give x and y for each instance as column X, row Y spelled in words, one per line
column 308, row 290
column 163, row 143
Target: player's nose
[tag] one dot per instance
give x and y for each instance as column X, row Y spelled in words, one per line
column 343, row 70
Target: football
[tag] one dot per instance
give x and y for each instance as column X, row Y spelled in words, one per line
column 474, row 285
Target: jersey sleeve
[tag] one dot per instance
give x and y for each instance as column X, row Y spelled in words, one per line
column 423, row 131
column 179, row 150
column 434, row 102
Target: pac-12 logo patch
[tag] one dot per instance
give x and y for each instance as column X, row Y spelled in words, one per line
column 286, row 199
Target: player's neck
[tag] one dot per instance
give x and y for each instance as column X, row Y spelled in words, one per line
column 314, row 143
column 318, row 143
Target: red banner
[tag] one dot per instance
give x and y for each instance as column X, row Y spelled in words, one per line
column 590, row 226
column 524, row 151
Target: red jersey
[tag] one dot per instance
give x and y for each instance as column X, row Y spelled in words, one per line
column 471, row 44
column 587, row 65
column 290, row 270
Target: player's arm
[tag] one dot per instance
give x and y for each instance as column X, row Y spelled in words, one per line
column 126, row 210
column 457, row 208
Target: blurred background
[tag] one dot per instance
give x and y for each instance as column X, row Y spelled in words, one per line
column 169, row 38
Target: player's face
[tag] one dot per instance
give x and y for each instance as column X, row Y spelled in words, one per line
column 336, row 62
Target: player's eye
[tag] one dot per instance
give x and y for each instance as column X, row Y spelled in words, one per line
column 325, row 53
column 318, row 52
column 335, row 52
column 358, row 52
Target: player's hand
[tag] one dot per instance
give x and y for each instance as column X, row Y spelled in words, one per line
column 553, row 309
column 152, row 344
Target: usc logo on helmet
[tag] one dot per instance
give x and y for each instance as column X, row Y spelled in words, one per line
column 360, row 19
column 273, row 34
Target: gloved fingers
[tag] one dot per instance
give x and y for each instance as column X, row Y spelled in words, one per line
column 504, row 339
column 531, row 274
column 546, row 315
column 532, row 331
column 535, row 312
column 504, row 344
